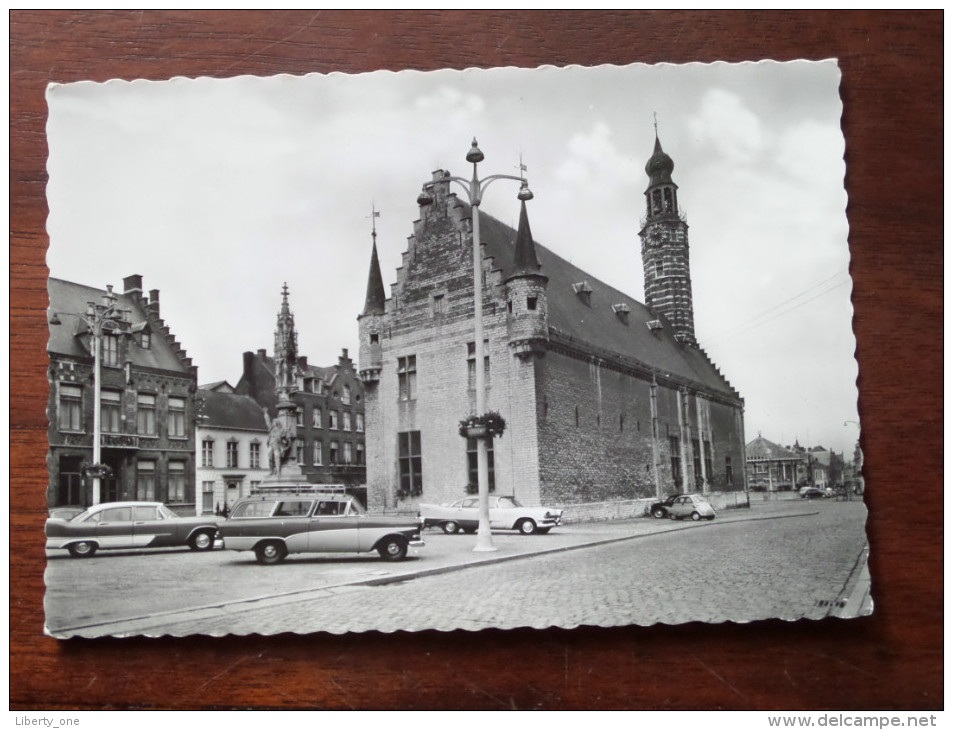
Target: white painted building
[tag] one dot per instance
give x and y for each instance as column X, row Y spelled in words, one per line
column 231, row 447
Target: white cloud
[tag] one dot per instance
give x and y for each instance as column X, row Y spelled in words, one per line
column 728, row 126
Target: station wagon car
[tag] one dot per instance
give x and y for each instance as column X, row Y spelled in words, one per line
column 275, row 525
column 505, row 514
column 117, row 525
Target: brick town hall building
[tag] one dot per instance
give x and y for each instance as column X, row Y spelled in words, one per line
column 605, row 398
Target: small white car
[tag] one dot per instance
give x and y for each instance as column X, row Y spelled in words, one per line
column 505, row 514
column 691, row 505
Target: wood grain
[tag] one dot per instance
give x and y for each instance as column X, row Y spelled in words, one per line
column 892, row 91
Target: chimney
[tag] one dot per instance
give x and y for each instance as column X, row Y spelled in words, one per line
column 132, row 284
column 303, row 362
column 344, row 361
column 154, row 301
column 262, row 354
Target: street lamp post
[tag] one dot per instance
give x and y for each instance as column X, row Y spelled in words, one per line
column 475, row 188
column 100, row 318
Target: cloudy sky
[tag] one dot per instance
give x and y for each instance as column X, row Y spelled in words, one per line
column 218, row 191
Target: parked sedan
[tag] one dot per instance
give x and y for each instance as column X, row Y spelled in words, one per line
column 505, row 514
column 659, row 510
column 118, row 525
column 813, row 493
column 691, row 505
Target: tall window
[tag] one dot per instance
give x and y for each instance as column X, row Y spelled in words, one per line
column 110, row 411
column 407, row 377
column 439, row 305
column 208, row 452
column 472, row 463
column 176, row 417
column 675, row 449
column 348, row 453
column 729, row 474
column 347, row 420
column 208, row 489
column 471, row 364
column 146, row 414
column 410, row 463
column 316, row 453
column 359, row 418
column 697, row 461
column 659, row 269
column 110, row 353
column 333, row 452
column 146, row 481
column 231, row 455
column 71, row 407
column 316, row 417
column 346, row 395
column 299, row 417
column 358, row 453
column 709, row 472
column 299, row 451
column 332, row 419
column 145, row 340
column 176, row 481
column 254, row 455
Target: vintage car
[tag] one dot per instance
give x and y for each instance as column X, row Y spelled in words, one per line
column 505, row 514
column 659, row 510
column 691, row 505
column 118, row 525
column 273, row 525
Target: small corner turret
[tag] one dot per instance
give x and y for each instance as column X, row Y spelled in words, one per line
column 526, row 306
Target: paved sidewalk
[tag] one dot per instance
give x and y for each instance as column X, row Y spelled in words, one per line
column 444, row 554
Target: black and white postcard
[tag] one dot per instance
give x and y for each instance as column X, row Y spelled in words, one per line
column 451, row 350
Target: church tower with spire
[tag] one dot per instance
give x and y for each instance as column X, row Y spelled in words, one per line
column 664, row 234
column 370, row 319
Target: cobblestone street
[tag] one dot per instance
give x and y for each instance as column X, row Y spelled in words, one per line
column 787, row 561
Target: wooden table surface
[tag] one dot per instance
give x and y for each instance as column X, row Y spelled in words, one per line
column 892, row 90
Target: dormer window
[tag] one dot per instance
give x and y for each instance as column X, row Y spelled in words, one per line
column 110, row 353
column 654, row 325
column 145, row 340
column 583, row 291
column 622, row 311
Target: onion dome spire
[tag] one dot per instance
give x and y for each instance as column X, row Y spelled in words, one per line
column 659, row 167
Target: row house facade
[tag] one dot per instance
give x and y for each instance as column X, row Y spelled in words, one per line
column 605, row 398
column 147, row 400
column 231, row 446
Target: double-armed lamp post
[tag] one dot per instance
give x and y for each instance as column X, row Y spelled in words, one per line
column 101, row 318
column 475, row 188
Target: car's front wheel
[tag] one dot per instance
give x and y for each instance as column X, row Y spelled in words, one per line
column 696, row 517
column 83, row 549
column 658, row 513
column 450, row 527
column 393, row 548
column 270, row 553
column 526, row 526
column 202, row 540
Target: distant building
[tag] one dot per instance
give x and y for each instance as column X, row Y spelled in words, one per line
column 146, row 403
column 231, row 447
column 771, row 467
column 605, row 398
column 330, row 430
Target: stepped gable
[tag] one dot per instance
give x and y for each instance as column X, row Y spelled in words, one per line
column 591, row 323
column 66, row 298
column 231, row 411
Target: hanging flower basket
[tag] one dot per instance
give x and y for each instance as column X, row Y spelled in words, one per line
column 103, row 471
column 490, row 425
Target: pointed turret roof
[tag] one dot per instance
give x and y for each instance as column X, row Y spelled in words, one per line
column 374, row 300
column 525, row 261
